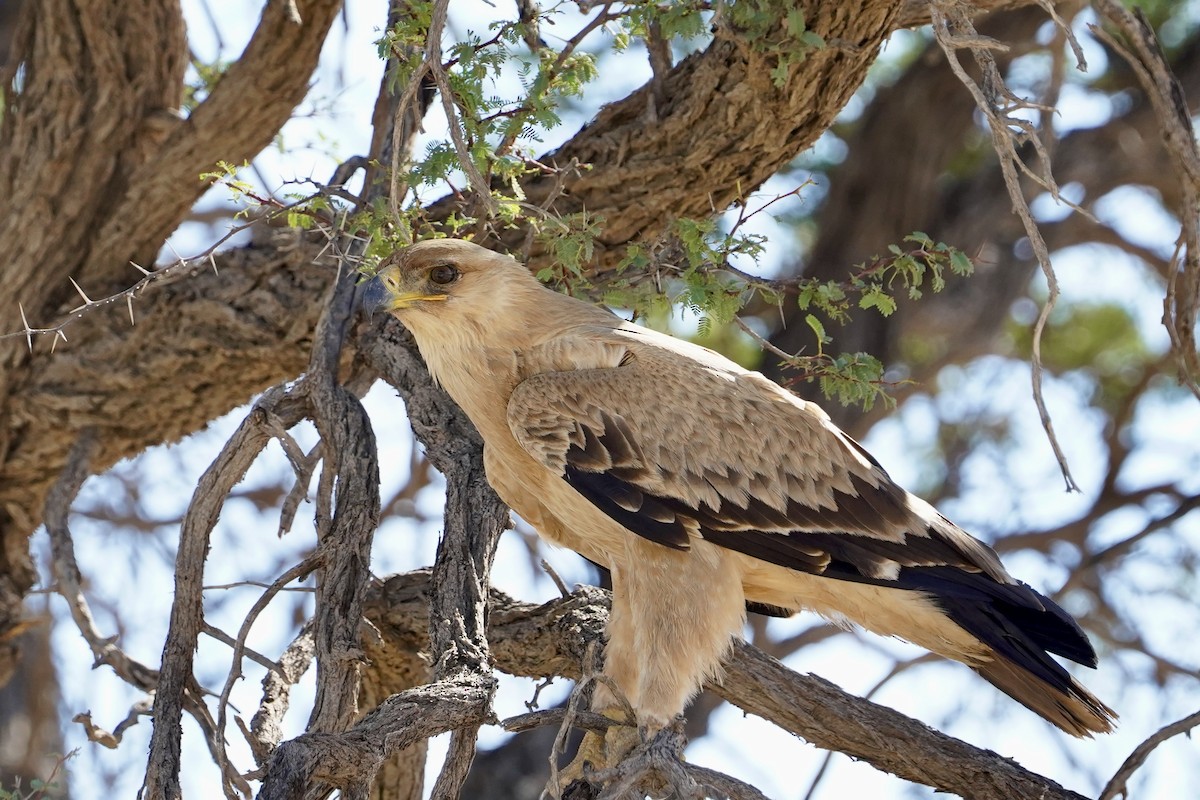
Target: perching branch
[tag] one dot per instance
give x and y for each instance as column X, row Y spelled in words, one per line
column 553, row 639
column 475, row 517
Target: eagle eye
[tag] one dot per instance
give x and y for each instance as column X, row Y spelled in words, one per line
column 443, row 274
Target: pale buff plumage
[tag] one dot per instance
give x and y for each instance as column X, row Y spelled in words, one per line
column 703, row 486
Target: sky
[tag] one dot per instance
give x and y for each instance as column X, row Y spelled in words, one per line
column 333, row 125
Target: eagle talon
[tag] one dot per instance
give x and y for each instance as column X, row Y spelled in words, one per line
column 598, row 754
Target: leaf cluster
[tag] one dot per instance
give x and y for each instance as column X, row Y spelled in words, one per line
column 494, row 125
column 911, row 270
column 694, row 267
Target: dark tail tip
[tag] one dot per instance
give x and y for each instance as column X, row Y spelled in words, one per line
column 1072, row 708
column 1022, row 628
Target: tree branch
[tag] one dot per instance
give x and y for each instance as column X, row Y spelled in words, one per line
column 1118, row 784
column 1181, row 309
column 175, row 677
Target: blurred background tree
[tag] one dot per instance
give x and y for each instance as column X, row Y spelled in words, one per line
column 748, row 174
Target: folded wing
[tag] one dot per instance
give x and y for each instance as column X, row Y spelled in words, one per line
column 677, row 444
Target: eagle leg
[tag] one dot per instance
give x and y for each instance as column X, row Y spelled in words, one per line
column 674, row 616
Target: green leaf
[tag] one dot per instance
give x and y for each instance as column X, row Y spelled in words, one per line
column 876, row 298
column 921, row 238
column 796, row 23
column 812, row 40
column 817, row 328
column 960, row 263
column 805, row 298
column 779, row 73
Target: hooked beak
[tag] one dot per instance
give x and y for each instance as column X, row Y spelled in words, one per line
column 376, row 296
column 372, row 297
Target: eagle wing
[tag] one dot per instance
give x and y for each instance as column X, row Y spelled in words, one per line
column 675, row 442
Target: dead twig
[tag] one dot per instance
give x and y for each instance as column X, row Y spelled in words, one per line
column 1141, row 49
column 1117, row 785
column 954, row 30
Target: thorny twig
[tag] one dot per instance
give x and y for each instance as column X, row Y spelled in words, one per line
column 181, row 269
column 224, row 638
column 432, row 69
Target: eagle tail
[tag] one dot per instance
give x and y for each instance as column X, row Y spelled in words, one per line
column 1021, row 628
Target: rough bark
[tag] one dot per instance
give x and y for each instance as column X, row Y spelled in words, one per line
column 98, row 170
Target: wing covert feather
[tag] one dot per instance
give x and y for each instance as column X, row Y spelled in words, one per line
column 673, row 442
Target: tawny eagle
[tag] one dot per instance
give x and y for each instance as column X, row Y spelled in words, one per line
column 703, row 486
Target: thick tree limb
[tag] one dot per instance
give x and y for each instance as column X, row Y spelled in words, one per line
column 724, row 128
column 102, row 83
column 93, row 142
column 244, row 112
column 349, row 760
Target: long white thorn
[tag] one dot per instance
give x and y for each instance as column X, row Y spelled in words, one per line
column 140, row 268
column 87, row 300
column 28, row 330
column 178, row 257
